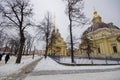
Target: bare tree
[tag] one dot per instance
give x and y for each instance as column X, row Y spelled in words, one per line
column 89, row 45
column 3, row 37
column 17, row 14
column 13, row 43
column 45, row 30
column 28, row 43
column 76, row 18
column 16, row 45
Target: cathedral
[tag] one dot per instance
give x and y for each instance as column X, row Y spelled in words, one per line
column 99, row 39
column 102, row 38
column 58, row 46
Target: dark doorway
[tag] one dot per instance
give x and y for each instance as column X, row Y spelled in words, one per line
column 99, row 50
column 115, row 49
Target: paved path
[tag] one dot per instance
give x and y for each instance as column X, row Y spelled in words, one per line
column 112, row 75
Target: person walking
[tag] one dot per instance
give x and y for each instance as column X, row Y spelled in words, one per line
column 0, row 56
column 7, row 57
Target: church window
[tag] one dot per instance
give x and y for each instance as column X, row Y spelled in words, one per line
column 114, row 49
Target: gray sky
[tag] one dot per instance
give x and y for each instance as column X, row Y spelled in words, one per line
column 107, row 9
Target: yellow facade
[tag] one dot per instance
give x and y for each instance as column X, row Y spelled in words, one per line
column 58, row 45
column 104, row 37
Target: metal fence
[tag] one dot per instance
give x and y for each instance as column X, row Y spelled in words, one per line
column 85, row 60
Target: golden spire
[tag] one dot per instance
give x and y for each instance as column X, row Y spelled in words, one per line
column 55, row 24
column 96, row 17
column 95, row 13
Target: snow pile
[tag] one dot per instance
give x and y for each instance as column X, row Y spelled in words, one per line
column 11, row 67
column 49, row 64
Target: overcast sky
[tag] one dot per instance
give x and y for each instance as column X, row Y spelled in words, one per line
column 107, row 9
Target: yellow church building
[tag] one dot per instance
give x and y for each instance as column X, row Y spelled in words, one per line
column 104, row 39
column 58, row 46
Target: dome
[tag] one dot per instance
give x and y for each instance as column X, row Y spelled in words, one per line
column 99, row 26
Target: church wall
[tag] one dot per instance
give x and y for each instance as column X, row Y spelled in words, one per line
column 113, row 43
column 118, row 46
column 103, row 36
column 106, row 46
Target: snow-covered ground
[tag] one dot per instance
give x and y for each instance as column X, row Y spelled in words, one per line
column 49, row 64
column 11, row 67
column 114, row 75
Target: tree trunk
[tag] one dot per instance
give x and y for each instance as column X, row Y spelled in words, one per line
column 16, row 50
column 33, row 53
column 51, row 44
column 24, row 50
column 71, row 40
column 11, row 51
column 47, row 34
column 22, row 41
column 46, row 51
column 88, row 55
column 27, row 52
column 4, row 51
